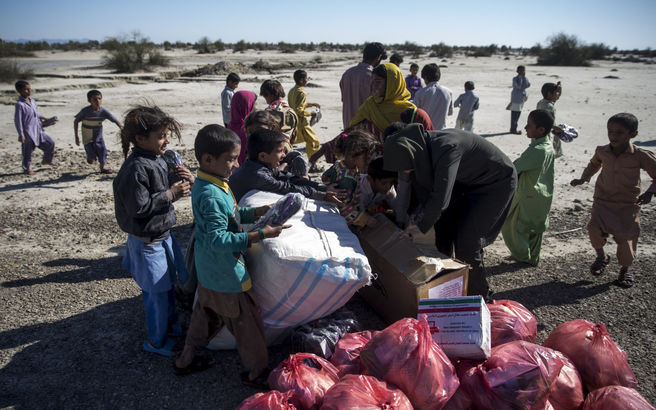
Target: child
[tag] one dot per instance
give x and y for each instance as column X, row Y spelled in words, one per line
column 376, row 191
column 232, row 82
column 617, row 199
column 30, row 132
column 528, row 216
column 286, row 117
column 266, row 151
column 412, row 82
column 143, row 202
column 551, row 93
column 225, row 291
column 355, row 150
column 297, row 101
column 92, row 118
column 468, row 103
column 243, row 103
column 518, row 97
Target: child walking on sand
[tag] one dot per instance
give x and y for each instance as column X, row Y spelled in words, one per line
column 518, row 97
column 617, row 199
column 232, row 82
column 412, row 81
column 355, row 150
column 468, row 103
column 29, row 127
column 92, row 117
column 528, row 217
column 297, row 101
column 551, row 93
column 225, row 291
column 143, row 202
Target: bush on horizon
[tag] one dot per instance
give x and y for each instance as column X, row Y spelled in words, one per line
column 138, row 54
column 568, row 50
column 11, row 70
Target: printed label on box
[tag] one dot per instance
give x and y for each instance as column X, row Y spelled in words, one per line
column 448, row 289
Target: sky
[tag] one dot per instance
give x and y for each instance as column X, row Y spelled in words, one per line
column 625, row 24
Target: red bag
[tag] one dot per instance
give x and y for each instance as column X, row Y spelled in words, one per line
column 307, row 375
column 346, row 357
column 567, row 391
column 509, row 321
column 518, row 374
column 460, row 399
column 599, row 360
column 615, row 398
column 405, row 355
column 361, row 391
column 272, row 400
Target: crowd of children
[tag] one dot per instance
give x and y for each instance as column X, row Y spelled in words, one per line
column 255, row 151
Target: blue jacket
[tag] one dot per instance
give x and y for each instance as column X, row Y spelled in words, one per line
column 219, row 237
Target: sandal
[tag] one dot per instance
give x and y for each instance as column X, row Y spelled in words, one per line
column 165, row 350
column 599, row 265
column 260, row 382
column 198, row 364
column 625, row 280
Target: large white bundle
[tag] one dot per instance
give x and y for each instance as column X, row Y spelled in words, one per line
column 309, row 271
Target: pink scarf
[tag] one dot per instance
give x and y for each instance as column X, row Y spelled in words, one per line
column 243, row 102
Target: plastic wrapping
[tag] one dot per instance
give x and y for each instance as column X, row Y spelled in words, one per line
column 599, row 360
column 280, row 212
column 360, row 391
column 405, row 355
column 271, row 400
column 321, row 336
column 567, row 391
column 509, row 321
column 616, row 398
column 307, row 376
column 173, row 160
column 346, row 356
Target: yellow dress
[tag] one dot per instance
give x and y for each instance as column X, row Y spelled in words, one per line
column 304, row 132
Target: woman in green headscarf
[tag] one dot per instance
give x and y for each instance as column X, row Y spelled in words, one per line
column 464, row 185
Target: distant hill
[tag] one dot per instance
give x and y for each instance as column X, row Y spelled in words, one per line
column 50, row 40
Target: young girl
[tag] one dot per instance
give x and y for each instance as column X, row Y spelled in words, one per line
column 143, row 202
column 355, row 150
column 528, row 217
column 242, row 104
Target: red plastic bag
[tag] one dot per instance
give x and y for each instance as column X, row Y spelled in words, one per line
column 599, row 360
column 518, row 374
column 307, row 375
column 361, row 391
column 460, row 399
column 509, row 321
column 272, row 400
column 405, row 355
column 346, row 357
column 567, row 391
column 616, row 398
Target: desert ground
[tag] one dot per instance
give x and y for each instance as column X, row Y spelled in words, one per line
column 72, row 320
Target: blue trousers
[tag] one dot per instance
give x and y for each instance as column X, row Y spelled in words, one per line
column 160, row 313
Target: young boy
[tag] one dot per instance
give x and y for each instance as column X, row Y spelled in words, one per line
column 435, row 99
column 376, row 192
column 518, row 97
column 92, row 118
column 30, row 132
column 232, row 82
column 468, row 103
column 617, row 199
column 225, row 294
column 551, row 93
column 266, row 150
column 412, row 82
column 528, row 216
column 297, row 101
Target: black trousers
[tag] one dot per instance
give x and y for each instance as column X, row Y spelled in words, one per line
column 514, row 118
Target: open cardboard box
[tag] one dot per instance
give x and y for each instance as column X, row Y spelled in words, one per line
column 406, row 272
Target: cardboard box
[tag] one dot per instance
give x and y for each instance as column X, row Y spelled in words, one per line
column 405, row 273
column 460, row 326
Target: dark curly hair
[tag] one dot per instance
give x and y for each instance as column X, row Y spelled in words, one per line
column 144, row 119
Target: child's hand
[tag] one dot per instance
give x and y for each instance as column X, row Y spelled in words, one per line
column 338, row 193
column 77, row 140
column 21, row 139
column 273, row 231
column 557, row 130
column 261, row 210
column 576, row 182
column 180, row 189
column 186, row 174
column 332, row 197
column 644, row 198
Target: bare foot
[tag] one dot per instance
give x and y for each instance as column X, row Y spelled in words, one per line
column 29, row 172
column 51, row 163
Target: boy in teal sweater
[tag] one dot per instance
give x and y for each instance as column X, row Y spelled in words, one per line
column 225, row 291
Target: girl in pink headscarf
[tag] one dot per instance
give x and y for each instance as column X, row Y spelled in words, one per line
column 243, row 102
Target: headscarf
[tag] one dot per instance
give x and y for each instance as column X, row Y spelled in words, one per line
column 382, row 111
column 417, row 116
column 407, row 149
column 243, row 102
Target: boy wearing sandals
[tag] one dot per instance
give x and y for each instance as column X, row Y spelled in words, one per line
column 617, row 199
column 225, row 295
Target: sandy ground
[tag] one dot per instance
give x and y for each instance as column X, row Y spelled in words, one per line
column 72, row 322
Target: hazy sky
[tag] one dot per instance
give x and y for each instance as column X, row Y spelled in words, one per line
column 625, row 24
